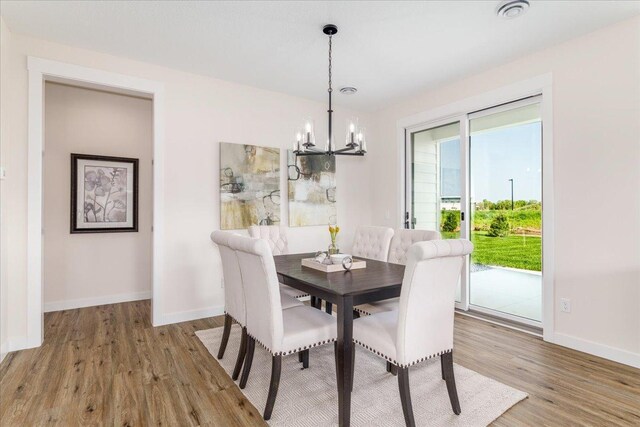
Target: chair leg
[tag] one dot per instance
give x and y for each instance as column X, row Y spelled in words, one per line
column 248, row 360
column 392, row 369
column 276, row 365
column 447, row 361
column 335, row 356
column 328, row 307
column 241, row 354
column 442, row 366
column 356, row 314
column 353, row 365
column 300, row 357
column 225, row 335
column 305, row 359
column 318, row 303
column 405, row 396
column 312, row 301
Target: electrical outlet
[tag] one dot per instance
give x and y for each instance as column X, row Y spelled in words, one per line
column 565, row 305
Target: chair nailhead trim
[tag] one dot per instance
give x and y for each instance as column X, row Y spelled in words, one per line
column 285, row 353
column 361, row 311
column 233, row 318
column 404, row 365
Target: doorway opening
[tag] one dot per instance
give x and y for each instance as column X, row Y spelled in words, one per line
column 99, row 145
column 42, row 71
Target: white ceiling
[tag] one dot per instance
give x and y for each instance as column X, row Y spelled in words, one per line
column 388, row 50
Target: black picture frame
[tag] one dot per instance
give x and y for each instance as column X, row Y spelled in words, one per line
column 103, row 161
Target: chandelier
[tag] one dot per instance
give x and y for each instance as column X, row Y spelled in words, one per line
column 355, row 143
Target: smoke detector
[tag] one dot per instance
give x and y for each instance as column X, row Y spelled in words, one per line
column 510, row 9
column 348, row 90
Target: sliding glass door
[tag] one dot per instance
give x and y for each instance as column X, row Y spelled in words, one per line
column 487, row 166
column 505, row 179
column 435, row 181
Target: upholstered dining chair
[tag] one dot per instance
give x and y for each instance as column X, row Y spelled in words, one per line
column 400, row 244
column 422, row 327
column 276, row 237
column 372, row 242
column 281, row 332
column 234, row 300
column 234, row 307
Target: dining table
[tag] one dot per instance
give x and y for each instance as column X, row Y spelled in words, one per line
column 345, row 289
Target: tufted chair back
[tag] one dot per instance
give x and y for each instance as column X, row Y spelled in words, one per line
column 427, row 299
column 372, row 242
column 233, row 292
column 402, row 241
column 275, row 235
column 261, row 290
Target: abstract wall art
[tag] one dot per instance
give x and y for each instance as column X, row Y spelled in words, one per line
column 249, row 186
column 312, row 190
column 104, row 194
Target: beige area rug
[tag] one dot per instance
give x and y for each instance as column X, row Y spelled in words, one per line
column 309, row 397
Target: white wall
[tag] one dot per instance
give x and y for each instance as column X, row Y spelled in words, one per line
column 94, row 268
column 200, row 112
column 596, row 136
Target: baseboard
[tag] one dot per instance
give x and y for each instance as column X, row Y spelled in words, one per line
column 4, row 350
column 601, row 350
column 20, row 343
column 186, row 316
column 90, row 302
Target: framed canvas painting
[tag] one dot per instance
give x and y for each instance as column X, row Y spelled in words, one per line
column 249, row 186
column 104, row 194
column 312, row 190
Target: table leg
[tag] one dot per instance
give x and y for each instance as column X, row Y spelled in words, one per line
column 345, row 359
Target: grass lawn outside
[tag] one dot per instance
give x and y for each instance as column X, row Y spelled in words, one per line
column 515, row 251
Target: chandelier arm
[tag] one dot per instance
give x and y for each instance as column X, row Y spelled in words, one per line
column 311, row 153
column 343, row 150
column 356, row 153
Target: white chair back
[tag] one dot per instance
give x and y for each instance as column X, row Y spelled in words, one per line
column 233, row 292
column 402, row 241
column 261, row 290
column 372, row 242
column 427, row 299
column 275, row 235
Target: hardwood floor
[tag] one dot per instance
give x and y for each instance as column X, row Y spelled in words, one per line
column 108, row 366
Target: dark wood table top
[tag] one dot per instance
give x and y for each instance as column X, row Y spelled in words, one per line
column 379, row 280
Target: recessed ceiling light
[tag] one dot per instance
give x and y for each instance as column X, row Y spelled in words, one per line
column 512, row 8
column 348, row 90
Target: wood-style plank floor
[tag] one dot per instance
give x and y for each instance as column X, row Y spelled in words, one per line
column 107, row 365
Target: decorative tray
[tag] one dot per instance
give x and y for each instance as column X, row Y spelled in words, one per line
column 332, row 268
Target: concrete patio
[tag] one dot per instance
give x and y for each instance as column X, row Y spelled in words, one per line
column 512, row 291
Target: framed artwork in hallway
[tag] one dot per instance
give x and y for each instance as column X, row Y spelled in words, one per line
column 104, row 194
